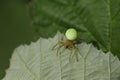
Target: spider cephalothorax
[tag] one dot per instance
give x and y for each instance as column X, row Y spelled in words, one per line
column 69, row 42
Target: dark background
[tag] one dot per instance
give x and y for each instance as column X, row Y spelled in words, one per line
column 15, row 29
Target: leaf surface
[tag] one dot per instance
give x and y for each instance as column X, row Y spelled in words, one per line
column 39, row 62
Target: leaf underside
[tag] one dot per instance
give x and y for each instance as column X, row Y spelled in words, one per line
column 39, row 62
column 96, row 20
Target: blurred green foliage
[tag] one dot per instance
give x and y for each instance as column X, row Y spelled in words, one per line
column 15, row 29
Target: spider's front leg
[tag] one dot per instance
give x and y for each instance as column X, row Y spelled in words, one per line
column 59, row 44
column 74, row 52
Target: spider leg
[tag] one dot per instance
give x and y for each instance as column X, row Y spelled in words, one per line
column 75, row 52
column 58, row 44
column 70, row 56
column 59, row 49
column 61, row 42
column 72, row 52
column 78, row 53
column 63, row 49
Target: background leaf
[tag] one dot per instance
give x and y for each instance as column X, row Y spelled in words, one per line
column 95, row 20
column 15, row 29
column 38, row 62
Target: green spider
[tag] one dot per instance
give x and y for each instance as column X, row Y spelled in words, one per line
column 71, row 36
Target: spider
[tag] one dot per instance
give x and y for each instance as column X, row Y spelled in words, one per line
column 69, row 42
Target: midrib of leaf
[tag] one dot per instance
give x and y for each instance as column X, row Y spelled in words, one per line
column 24, row 63
column 110, row 34
column 40, row 61
column 84, row 69
column 85, row 63
column 110, row 27
column 109, row 66
column 60, row 68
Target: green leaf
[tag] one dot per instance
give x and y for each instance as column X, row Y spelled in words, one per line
column 39, row 62
column 96, row 20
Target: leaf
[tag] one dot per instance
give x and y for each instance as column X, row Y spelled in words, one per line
column 96, row 20
column 38, row 62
